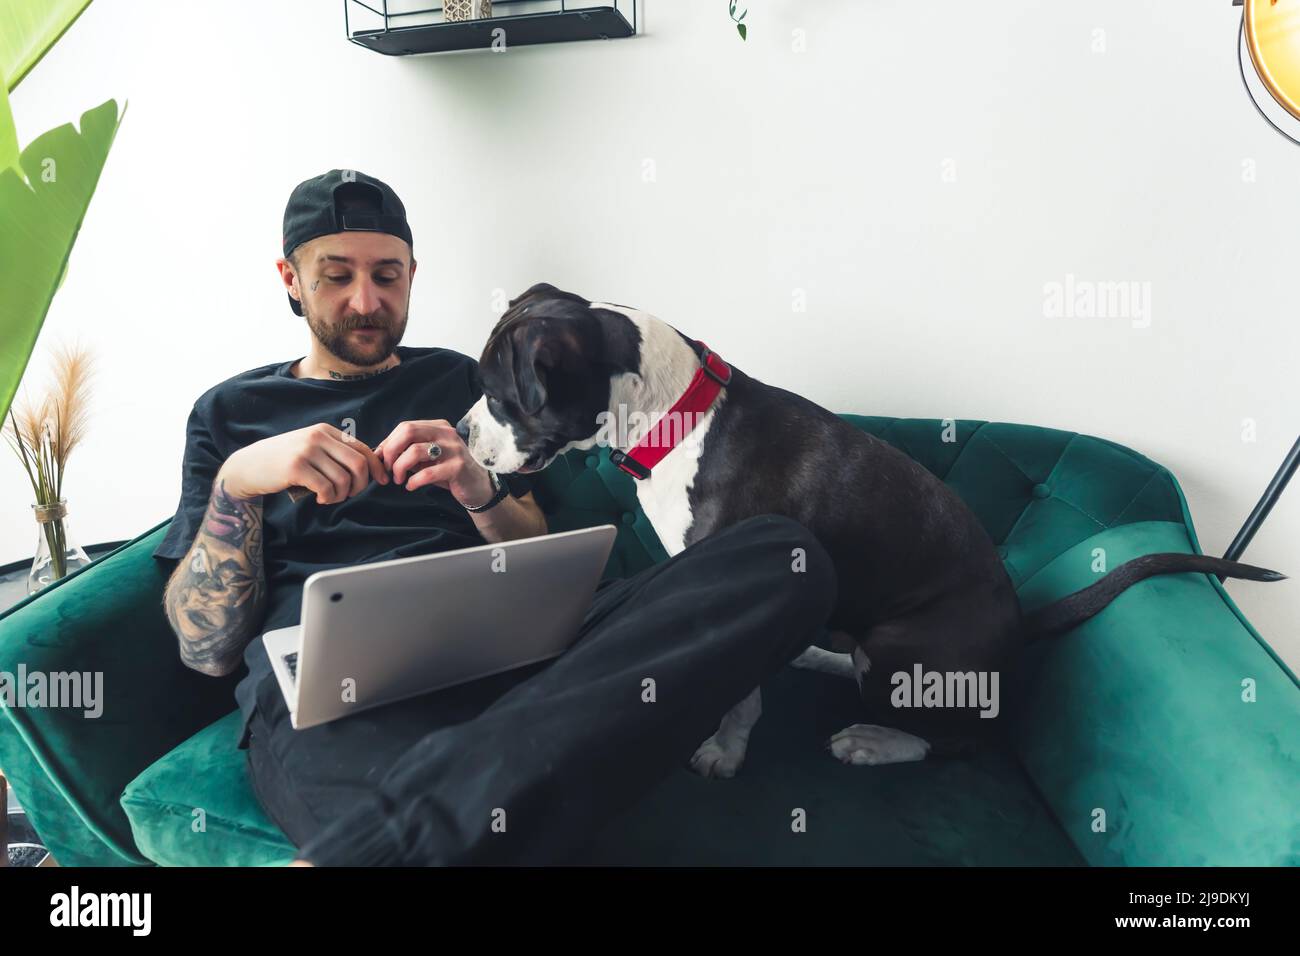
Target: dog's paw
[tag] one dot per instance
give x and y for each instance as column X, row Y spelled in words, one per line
column 719, row 756
column 825, row 662
column 876, row 746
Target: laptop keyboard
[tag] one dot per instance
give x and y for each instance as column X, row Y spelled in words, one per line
column 291, row 660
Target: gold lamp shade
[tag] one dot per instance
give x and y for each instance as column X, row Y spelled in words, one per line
column 1273, row 39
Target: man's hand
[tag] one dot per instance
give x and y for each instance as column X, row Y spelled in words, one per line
column 320, row 458
column 406, row 453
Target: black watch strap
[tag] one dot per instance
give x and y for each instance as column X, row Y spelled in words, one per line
column 496, row 499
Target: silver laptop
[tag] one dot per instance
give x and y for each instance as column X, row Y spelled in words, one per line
column 382, row 632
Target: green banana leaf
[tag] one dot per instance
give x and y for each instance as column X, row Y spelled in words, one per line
column 41, row 210
column 28, row 28
column 8, row 135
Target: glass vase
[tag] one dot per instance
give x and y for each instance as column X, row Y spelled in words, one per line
column 57, row 552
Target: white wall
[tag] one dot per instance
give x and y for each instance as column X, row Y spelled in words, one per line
column 777, row 170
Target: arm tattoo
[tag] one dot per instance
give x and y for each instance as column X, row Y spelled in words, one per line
column 216, row 598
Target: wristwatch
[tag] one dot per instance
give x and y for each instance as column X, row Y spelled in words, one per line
column 499, row 492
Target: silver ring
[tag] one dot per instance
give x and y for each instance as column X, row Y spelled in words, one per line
column 433, row 451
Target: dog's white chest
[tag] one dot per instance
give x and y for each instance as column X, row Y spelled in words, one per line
column 665, row 495
column 668, row 365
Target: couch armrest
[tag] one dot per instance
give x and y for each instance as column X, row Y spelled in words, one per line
column 69, row 765
column 1139, row 713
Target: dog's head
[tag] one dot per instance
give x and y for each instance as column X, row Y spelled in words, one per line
column 546, row 374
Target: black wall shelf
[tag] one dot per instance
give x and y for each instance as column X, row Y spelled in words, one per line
column 424, row 31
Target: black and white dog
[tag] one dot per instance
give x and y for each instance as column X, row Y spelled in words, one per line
column 920, row 581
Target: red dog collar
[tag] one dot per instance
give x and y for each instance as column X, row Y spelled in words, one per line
column 713, row 374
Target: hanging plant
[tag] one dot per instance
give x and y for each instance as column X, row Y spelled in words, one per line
column 740, row 27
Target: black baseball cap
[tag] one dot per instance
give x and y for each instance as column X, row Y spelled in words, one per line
column 339, row 201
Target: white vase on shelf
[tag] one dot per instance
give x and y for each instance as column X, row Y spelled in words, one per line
column 456, row 10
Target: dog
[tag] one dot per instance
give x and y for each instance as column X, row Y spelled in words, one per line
column 922, row 589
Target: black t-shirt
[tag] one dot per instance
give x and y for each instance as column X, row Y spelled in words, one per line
column 299, row 539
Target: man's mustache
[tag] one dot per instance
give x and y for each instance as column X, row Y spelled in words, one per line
column 364, row 321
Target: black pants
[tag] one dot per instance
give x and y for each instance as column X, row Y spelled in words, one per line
column 527, row 766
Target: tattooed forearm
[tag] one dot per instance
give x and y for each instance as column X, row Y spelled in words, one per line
column 216, row 598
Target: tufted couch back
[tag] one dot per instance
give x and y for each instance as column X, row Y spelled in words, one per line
column 1038, row 491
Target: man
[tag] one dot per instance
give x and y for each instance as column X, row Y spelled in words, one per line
column 520, row 767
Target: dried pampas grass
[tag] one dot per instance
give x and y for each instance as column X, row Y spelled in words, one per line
column 44, row 435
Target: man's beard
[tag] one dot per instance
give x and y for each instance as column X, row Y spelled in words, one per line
column 338, row 341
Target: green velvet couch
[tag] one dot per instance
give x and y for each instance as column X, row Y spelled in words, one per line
column 1134, row 741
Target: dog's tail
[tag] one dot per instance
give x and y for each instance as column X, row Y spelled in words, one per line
column 1073, row 609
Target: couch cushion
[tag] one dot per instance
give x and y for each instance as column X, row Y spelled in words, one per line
column 196, row 806
column 976, row 810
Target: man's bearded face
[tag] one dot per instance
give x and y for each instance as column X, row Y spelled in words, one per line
column 355, row 292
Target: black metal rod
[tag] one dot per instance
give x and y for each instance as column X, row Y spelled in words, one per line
column 1265, row 505
column 360, row 3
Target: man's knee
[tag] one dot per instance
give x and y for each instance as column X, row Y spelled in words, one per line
column 792, row 562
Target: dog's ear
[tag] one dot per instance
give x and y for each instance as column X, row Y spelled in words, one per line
column 534, row 358
column 548, row 348
column 530, row 380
